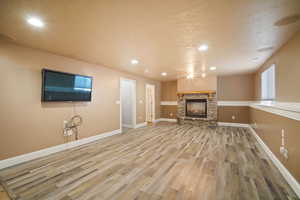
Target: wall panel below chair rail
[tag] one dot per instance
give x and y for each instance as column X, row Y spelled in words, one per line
column 270, row 128
column 168, row 111
column 234, row 114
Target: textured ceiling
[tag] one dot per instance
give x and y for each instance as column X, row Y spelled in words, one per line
column 162, row 35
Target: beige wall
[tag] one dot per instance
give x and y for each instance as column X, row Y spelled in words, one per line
column 236, row 87
column 269, row 128
column 287, row 61
column 28, row 125
column 169, row 91
column 240, row 113
column 168, row 111
column 197, row 84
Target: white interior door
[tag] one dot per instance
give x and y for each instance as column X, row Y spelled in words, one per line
column 127, row 103
column 150, row 103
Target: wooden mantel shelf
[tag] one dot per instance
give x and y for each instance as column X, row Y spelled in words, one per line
column 208, row 92
column 197, row 92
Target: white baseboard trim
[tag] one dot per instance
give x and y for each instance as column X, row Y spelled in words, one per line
column 45, row 152
column 233, row 124
column 285, row 173
column 127, row 126
column 165, row 120
column 140, row 125
column 168, row 103
column 155, row 121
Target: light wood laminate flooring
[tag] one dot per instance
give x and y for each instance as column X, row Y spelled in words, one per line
column 166, row 161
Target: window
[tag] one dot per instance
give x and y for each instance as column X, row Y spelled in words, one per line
column 268, row 84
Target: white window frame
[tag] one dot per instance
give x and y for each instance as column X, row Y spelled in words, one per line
column 268, row 84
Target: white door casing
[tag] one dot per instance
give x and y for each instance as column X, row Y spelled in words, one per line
column 150, row 103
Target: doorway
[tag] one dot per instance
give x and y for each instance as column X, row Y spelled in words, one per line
column 127, row 104
column 150, row 103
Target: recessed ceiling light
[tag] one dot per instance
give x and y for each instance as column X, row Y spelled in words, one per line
column 164, row 73
column 134, row 61
column 203, row 75
column 35, row 22
column 203, row 47
column 212, row 68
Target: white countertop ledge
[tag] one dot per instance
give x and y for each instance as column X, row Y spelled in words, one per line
column 288, row 106
column 277, row 111
column 286, row 109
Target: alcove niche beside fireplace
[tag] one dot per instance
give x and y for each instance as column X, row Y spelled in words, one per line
column 197, row 108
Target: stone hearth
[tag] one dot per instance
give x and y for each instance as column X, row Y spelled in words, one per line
column 212, row 108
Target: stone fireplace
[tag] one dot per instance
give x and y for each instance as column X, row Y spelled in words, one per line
column 197, row 108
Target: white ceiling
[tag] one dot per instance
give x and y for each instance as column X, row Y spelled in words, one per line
column 162, row 35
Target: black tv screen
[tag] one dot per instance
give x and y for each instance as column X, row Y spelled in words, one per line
column 60, row 86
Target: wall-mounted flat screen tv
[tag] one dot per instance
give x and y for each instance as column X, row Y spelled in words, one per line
column 60, row 86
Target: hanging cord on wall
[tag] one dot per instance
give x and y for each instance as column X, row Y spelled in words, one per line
column 73, row 123
column 76, row 121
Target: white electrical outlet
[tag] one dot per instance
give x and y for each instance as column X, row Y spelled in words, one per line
column 65, row 124
column 281, row 149
column 68, row 132
column 284, row 152
column 255, row 125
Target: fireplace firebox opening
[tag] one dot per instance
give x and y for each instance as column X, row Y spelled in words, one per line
column 196, row 108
